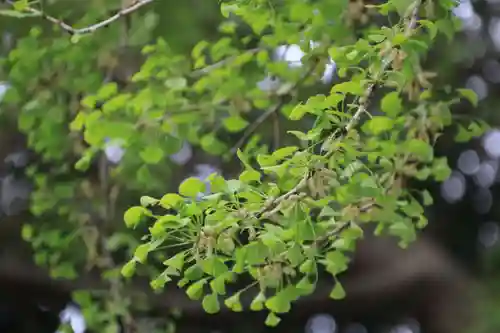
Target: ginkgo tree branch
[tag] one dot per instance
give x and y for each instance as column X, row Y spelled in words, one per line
column 91, row 28
column 272, row 205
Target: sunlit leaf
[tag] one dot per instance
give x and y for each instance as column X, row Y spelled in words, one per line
column 191, row 187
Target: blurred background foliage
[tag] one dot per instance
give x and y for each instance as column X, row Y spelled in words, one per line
column 49, row 73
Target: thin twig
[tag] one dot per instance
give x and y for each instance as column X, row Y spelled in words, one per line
column 276, row 131
column 255, row 125
column 341, row 227
column 263, row 117
column 89, row 29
